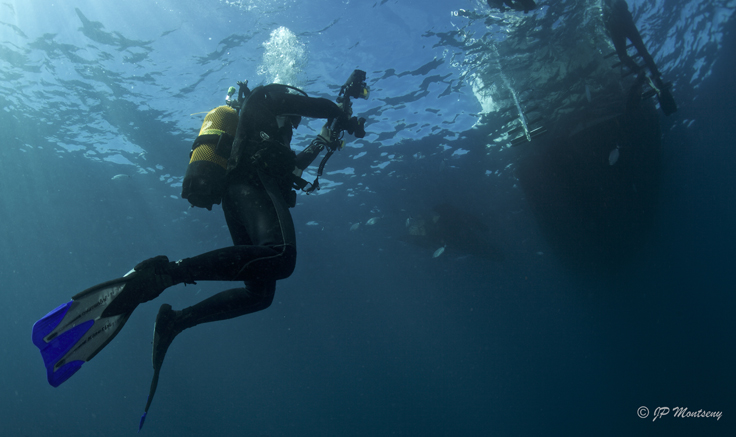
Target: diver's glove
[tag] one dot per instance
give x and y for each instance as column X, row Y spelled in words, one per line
column 325, row 136
column 356, row 126
column 329, row 139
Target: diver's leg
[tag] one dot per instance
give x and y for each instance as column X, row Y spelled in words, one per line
column 620, row 24
column 627, row 30
column 264, row 251
column 635, row 37
column 265, row 243
column 227, row 305
column 237, row 263
column 222, row 306
column 618, row 39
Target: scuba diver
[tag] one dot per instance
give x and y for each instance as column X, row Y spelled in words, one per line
column 242, row 158
column 517, row 5
column 620, row 26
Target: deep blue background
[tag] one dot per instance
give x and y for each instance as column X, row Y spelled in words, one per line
column 371, row 335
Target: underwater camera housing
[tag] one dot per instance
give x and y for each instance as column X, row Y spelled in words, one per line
column 355, row 87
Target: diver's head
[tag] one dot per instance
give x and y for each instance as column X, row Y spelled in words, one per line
column 295, row 120
column 292, row 121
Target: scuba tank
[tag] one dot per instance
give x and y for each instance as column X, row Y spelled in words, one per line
column 204, row 181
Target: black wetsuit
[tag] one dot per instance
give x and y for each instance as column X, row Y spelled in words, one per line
column 620, row 25
column 256, row 206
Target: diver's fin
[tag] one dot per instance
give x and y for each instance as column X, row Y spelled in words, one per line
column 163, row 335
column 73, row 333
column 666, row 101
column 664, row 96
column 151, row 392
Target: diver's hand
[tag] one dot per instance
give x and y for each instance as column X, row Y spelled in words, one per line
column 329, row 138
column 326, row 135
column 356, row 126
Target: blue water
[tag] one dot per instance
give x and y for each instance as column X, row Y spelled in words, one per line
column 371, row 335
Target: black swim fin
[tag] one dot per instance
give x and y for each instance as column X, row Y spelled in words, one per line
column 151, row 392
column 664, row 96
column 73, row 333
column 163, row 335
column 666, row 101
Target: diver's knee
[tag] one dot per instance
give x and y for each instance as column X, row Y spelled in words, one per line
column 261, row 292
column 267, row 301
column 289, row 261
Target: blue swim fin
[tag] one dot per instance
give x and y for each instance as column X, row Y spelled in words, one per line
column 73, row 333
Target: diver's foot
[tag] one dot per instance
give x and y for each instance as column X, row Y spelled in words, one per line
column 164, row 332
column 149, row 279
column 667, row 102
column 145, row 282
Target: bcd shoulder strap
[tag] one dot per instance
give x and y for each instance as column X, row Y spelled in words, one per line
column 222, row 140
